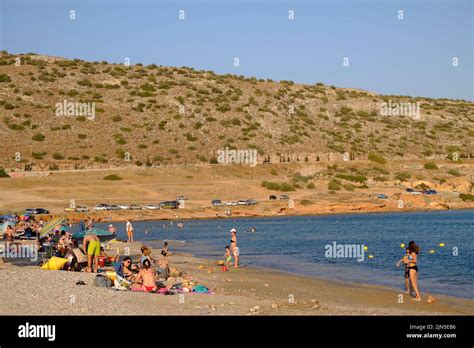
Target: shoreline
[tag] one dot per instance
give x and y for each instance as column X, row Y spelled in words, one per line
column 122, row 216
column 338, row 281
column 235, row 292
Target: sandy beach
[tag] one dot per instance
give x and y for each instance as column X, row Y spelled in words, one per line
column 29, row 290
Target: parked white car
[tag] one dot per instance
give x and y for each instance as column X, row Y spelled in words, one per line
column 152, row 207
column 101, row 207
column 123, row 206
column 232, row 203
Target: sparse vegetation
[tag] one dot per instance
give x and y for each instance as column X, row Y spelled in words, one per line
column 112, row 177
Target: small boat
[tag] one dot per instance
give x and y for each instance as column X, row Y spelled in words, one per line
column 103, row 235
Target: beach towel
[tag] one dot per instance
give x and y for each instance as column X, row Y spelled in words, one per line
column 201, row 289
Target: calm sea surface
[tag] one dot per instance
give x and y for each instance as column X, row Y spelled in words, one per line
column 297, row 245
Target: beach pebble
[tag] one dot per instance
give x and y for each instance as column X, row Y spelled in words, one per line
column 232, row 303
column 254, row 309
column 274, row 306
column 266, row 285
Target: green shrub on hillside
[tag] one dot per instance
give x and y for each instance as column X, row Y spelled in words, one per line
column 38, row 137
column 403, row 176
column 454, row 172
column 112, row 177
column 431, row 166
column 333, row 185
column 376, row 158
column 3, row 173
column 466, row 197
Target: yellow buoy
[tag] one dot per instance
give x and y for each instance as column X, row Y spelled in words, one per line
column 366, row 247
column 431, row 251
column 371, row 256
column 441, row 244
column 402, row 245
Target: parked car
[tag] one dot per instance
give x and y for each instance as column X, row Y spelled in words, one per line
column 272, row 197
column 416, row 193
column 217, row 202
column 232, row 203
column 285, row 197
column 33, row 211
column 81, row 209
column 101, row 206
column 382, row 196
column 70, row 210
column 181, row 198
column 251, row 202
column 123, row 206
column 242, row 202
column 430, row 192
column 113, row 207
column 135, row 207
column 169, row 205
column 152, row 207
column 410, row 190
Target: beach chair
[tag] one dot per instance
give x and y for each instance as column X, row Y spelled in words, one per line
column 81, row 258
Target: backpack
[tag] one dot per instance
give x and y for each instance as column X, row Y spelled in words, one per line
column 102, row 281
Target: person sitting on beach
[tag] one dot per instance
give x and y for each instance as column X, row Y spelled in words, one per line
column 93, row 250
column 146, row 252
column 9, row 233
column 404, row 260
column 145, row 279
column 124, row 268
column 228, row 255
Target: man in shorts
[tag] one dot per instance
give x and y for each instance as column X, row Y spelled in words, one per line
column 93, row 250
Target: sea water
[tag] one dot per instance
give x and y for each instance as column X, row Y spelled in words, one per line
column 298, row 245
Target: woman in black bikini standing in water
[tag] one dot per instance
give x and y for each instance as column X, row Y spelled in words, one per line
column 412, row 266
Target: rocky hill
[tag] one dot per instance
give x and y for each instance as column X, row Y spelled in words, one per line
column 65, row 114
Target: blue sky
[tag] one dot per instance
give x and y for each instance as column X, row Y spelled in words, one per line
column 412, row 56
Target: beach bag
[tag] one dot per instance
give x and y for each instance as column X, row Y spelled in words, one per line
column 102, row 281
column 54, row 263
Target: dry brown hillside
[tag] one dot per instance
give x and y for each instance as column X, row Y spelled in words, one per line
column 169, row 115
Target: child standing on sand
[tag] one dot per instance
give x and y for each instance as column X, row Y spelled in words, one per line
column 404, row 260
column 227, row 255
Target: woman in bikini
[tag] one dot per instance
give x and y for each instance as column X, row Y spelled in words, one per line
column 147, row 274
column 412, row 266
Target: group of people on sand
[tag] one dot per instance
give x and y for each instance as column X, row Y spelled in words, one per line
column 233, row 250
column 410, row 260
column 142, row 276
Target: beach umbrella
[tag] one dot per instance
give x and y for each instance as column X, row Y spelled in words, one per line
column 50, row 226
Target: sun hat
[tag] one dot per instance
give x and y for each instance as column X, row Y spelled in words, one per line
column 233, row 230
